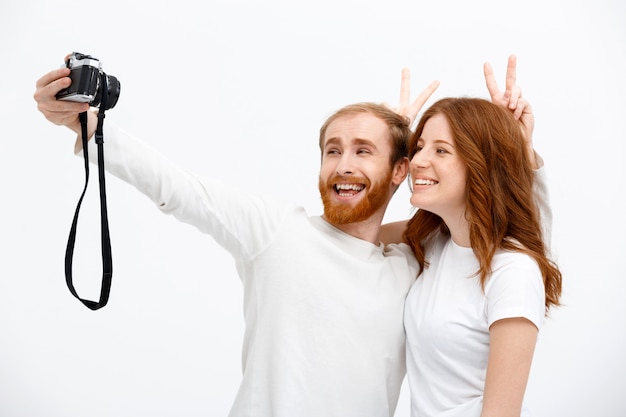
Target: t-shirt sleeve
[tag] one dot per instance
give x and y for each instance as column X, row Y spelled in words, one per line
column 516, row 290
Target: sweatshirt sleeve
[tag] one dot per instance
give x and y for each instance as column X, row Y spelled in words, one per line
column 542, row 199
column 243, row 224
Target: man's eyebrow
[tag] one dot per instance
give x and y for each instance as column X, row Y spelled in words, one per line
column 367, row 142
column 331, row 141
column 358, row 141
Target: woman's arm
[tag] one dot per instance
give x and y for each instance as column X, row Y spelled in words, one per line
column 512, row 345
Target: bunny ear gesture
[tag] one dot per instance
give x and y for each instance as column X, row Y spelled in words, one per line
column 511, row 98
column 405, row 107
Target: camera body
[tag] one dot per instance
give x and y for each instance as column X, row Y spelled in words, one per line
column 86, row 73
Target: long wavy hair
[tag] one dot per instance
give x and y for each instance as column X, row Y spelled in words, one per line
column 500, row 207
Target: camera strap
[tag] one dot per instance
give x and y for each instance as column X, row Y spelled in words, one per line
column 107, row 263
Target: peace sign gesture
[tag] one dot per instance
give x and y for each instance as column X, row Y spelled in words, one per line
column 410, row 110
column 511, row 98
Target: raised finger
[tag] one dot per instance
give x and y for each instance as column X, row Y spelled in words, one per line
column 511, row 72
column 490, row 80
column 417, row 104
column 425, row 95
column 405, row 87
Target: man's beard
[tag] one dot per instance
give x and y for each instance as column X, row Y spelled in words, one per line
column 344, row 213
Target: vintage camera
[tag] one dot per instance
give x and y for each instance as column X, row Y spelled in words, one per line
column 86, row 87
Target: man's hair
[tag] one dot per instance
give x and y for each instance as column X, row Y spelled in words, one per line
column 500, row 207
column 398, row 126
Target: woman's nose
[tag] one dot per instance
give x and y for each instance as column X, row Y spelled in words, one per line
column 419, row 160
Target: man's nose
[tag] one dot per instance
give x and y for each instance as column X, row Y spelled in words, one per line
column 345, row 165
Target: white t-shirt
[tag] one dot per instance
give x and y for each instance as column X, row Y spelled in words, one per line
column 447, row 318
column 323, row 310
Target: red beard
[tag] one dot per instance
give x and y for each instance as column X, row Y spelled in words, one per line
column 344, row 213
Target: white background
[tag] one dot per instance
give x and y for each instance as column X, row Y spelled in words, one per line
column 238, row 90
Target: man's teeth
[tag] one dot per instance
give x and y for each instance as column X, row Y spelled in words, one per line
column 425, row 182
column 348, row 190
column 355, row 187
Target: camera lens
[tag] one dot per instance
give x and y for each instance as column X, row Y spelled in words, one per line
column 112, row 92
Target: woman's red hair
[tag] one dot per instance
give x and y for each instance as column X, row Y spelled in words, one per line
column 500, row 208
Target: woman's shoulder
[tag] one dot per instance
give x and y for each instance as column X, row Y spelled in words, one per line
column 513, row 259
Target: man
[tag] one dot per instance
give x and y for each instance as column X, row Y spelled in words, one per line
column 323, row 299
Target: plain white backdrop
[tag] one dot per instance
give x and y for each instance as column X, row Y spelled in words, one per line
column 238, row 90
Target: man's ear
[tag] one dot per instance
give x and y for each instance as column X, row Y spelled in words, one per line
column 400, row 171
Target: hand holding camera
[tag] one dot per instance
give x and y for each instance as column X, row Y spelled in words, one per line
column 87, row 82
column 61, row 96
column 63, row 93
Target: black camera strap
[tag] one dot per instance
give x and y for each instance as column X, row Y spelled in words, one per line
column 107, row 264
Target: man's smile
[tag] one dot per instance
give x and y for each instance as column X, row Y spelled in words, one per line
column 348, row 190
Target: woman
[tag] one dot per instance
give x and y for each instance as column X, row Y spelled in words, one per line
column 473, row 315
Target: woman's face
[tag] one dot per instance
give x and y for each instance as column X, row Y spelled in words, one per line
column 438, row 173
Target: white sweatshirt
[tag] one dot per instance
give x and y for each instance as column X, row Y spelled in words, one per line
column 323, row 310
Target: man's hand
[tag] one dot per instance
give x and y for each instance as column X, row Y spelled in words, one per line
column 511, row 98
column 59, row 112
